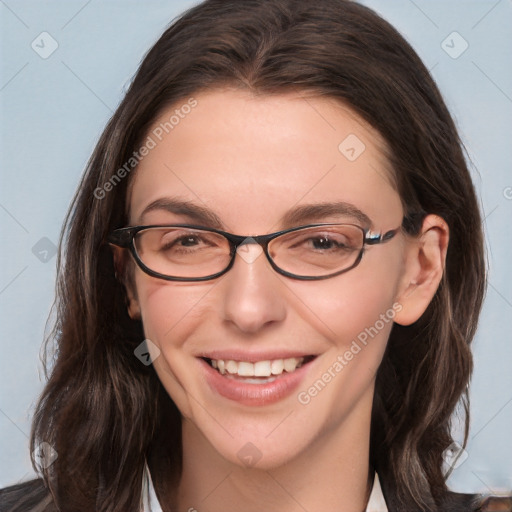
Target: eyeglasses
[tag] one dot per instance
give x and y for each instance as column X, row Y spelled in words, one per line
column 184, row 252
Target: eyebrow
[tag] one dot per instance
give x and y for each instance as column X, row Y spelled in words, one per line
column 302, row 214
column 309, row 213
column 199, row 214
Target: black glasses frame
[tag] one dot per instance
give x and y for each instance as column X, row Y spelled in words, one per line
column 124, row 237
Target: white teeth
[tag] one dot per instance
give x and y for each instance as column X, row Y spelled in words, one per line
column 290, row 364
column 245, row 369
column 232, row 367
column 258, row 369
column 262, row 369
column 277, row 366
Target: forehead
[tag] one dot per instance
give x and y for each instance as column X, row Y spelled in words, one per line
column 251, row 158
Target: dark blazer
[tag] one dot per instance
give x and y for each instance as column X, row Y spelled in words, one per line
column 33, row 496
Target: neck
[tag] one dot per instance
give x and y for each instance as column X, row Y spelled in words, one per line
column 333, row 473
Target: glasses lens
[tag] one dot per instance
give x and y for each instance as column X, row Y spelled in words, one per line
column 318, row 251
column 182, row 252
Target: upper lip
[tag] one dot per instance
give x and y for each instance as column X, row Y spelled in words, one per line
column 253, row 357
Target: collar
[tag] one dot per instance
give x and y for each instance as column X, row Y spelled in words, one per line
column 376, row 502
column 149, row 499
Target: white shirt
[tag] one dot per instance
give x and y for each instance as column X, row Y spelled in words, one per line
column 376, row 503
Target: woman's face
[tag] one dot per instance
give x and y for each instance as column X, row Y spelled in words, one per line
column 255, row 162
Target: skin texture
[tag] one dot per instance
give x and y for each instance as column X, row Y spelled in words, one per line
column 250, row 159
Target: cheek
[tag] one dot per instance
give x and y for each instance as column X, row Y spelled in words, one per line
column 357, row 309
column 348, row 306
column 171, row 313
column 170, row 310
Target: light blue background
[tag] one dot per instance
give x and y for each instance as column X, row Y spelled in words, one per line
column 53, row 111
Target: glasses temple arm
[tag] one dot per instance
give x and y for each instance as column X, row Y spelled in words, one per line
column 374, row 239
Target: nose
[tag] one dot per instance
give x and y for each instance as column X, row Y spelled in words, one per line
column 253, row 297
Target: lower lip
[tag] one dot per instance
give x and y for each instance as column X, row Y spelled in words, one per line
column 254, row 394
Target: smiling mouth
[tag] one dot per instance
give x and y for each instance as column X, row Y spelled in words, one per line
column 259, row 372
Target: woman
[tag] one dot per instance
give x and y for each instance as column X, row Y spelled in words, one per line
column 268, row 294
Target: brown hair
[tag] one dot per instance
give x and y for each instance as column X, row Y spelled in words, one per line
column 102, row 410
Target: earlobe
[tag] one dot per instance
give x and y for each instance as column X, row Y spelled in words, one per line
column 133, row 306
column 424, row 269
column 121, row 270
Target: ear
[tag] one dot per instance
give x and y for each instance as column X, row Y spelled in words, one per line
column 424, row 267
column 121, row 265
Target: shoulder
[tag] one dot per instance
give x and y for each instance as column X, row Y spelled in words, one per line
column 459, row 502
column 31, row 496
column 495, row 503
column 455, row 502
column 478, row 502
column 451, row 502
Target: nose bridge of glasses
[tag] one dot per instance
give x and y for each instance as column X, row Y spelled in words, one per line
column 240, row 240
column 250, row 248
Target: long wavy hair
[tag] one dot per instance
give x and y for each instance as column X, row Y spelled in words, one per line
column 106, row 414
